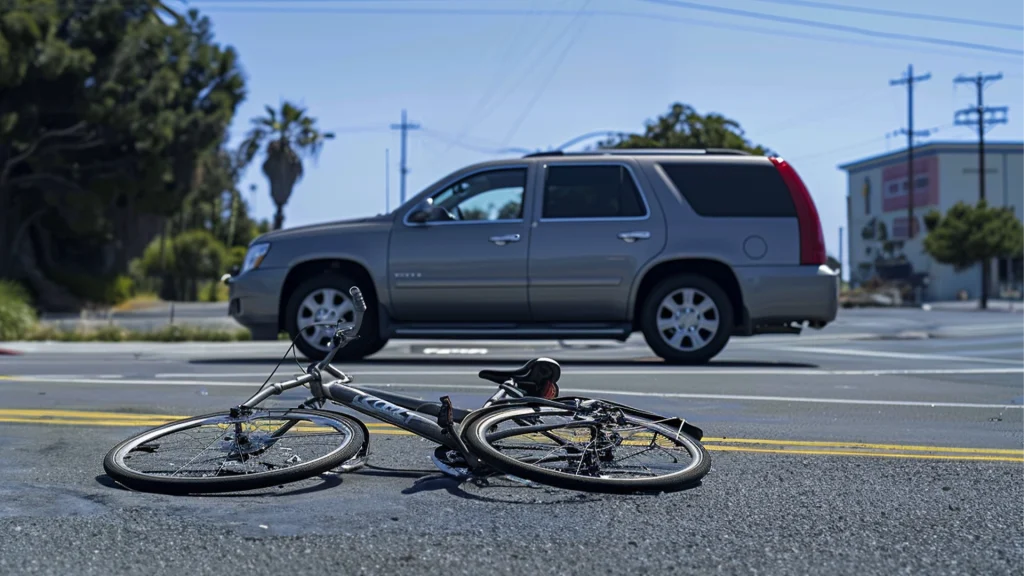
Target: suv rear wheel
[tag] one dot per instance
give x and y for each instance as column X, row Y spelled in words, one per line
column 687, row 319
column 325, row 298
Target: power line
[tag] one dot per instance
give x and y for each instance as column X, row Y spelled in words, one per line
column 609, row 13
column 909, row 79
column 835, row 27
column 501, row 73
column 574, row 36
column 544, row 53
column 895, row 13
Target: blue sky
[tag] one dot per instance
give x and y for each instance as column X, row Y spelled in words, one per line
column 818, row 97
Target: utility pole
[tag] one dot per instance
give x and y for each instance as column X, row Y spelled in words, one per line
column 840, row 252
column 404, row 127
column 985, row 116
column 909, row 80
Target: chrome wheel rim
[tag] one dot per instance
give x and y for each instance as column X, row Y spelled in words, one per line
column 687, row 319
column 323, row 305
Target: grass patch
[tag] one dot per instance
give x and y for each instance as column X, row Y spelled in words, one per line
column 174, row 333
column 140, row 301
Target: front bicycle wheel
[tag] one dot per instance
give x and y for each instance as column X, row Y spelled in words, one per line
column 596, row 449
column 222, row 452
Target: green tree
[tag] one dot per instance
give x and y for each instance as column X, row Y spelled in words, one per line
column 106, row 111
column 215, row 203
column 968, row 235
column 285, row 136
column 683, row 127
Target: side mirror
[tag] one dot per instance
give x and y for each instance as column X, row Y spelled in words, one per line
column 425, row 212
column 420, row 214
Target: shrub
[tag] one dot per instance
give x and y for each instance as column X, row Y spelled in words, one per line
column 17, row 317
column 97, row 290
column 188, row 258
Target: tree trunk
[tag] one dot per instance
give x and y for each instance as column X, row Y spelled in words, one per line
column 50, row 296
column 279, row 217
column 6, row 257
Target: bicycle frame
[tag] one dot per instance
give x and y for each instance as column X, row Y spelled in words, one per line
column 394, row 409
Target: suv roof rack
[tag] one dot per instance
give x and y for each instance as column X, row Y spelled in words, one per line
column 643, row 151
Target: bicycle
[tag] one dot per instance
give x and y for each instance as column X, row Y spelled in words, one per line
column 250, row 447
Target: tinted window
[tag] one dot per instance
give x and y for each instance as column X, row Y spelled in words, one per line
column 591, row 192
column 493, row 195
column 731, row 189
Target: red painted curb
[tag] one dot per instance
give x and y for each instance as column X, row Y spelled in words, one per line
column 4, row 351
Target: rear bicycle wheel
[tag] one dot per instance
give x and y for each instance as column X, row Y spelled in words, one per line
column 224, row 453
column 597, row 449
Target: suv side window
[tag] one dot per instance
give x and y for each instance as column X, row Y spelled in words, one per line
column 731, row 189
column 491, row 195
column 591, row 191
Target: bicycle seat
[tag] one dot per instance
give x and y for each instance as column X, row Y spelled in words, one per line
column 538, row 372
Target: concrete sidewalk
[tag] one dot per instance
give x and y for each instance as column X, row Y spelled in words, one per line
column 1016, row 306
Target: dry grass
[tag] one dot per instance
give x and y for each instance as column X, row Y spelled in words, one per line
column 142, row 301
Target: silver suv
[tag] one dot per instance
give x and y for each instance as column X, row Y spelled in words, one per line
column 690, row 247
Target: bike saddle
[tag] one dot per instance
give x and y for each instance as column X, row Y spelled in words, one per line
column 537, row 372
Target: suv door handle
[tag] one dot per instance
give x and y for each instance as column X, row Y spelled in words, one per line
column 502, row 240
column 634, row 236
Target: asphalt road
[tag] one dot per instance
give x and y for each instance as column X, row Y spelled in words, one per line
column 874, row 448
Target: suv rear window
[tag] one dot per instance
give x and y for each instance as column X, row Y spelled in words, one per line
column 593, row 191
column 732, row 189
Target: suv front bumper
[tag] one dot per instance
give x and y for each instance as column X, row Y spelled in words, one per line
column 254, row 301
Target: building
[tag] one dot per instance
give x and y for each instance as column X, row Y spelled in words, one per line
column 946, row 173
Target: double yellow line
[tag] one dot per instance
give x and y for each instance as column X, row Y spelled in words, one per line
column 748, row 445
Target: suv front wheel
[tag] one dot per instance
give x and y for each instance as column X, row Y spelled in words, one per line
column 687, row 319
column 325, row 298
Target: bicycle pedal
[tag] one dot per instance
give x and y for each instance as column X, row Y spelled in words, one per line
column 446, row 415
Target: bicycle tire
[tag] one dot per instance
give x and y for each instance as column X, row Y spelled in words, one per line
column 113, row 462
column 474, row 436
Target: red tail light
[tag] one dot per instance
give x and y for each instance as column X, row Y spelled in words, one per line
column 812, row 241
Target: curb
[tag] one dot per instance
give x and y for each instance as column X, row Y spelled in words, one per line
column 9, row 352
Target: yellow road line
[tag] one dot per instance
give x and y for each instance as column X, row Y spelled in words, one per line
column 876, row 454
column 805, row 447
column 45, row 414
column 150, row 423
column 903, row 447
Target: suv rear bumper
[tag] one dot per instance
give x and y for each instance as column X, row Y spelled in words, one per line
column 785, row 294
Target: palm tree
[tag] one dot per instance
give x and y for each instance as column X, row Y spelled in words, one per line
column 286, row 135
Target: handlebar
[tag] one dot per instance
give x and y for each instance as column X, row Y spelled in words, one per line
column 346, row 333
